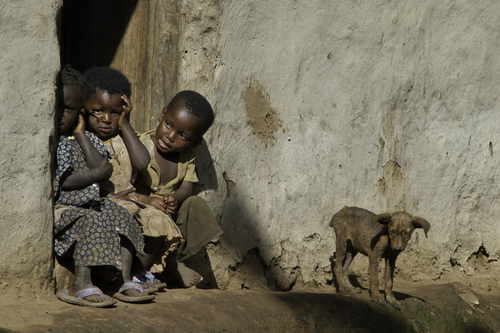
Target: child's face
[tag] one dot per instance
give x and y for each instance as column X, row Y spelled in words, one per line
column 68, row 111
column 104, row 112
column 178, row 130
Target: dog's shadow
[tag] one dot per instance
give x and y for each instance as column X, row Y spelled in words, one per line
column 402, row 296
column 354, row 281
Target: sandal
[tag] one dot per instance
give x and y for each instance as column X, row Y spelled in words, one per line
column 147, row 278
column 132, row 299
column 79, row 298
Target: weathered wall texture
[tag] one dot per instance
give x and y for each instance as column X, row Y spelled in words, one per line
column 385, row 105
column 29, row 62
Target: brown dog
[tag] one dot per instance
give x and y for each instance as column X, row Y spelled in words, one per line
column 375, row 236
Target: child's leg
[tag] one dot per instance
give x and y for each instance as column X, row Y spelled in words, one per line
column 83, row 281
column 179, row 273
column 142, row 263
column 127, row 253
column 130, row 239
column 129, row 291
column 151, row 247
column 198, row 226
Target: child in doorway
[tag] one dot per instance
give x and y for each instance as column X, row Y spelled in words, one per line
column 94, row 231
column 167, row 183
column 108, row 110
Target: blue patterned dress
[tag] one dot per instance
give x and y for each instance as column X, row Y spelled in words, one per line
column 85, row 222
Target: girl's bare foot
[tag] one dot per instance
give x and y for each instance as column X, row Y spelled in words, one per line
column 83, row 282
column 94, row 297
column 180, row 274
column 134, row 293
column 131, row 292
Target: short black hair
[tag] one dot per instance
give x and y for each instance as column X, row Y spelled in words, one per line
column 107, row 79
column 72, row 77
column 197, row 105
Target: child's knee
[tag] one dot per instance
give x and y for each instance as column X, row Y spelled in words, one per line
column 195, row 203
column 192, row 206
column 195, row 200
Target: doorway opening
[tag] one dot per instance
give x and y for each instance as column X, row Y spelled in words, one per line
column 139, row 38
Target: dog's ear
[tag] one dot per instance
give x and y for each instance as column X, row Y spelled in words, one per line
column 382, row 218
column 419, row 222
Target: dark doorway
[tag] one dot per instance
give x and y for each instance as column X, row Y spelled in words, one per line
column 91, row 31
column 138, row 37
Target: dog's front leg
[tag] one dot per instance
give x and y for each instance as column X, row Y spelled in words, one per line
column 374, row 291
column 390, row 265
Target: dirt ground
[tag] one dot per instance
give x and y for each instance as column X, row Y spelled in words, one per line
column 455, row 303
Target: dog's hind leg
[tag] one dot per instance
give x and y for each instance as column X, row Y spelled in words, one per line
column 340, row 258
column 349, row 257
column 390, row 265
column 345, row 255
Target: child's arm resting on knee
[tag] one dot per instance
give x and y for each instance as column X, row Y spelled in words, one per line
column 139, row 155
column 73, row 180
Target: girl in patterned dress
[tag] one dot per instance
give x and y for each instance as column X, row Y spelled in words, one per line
column 108, row 107
column 92, row 230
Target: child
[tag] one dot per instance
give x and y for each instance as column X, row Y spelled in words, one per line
column 94, row 231
column 167, row 183
column 108, row 109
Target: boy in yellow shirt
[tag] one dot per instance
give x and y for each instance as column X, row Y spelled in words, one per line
column 167, row 183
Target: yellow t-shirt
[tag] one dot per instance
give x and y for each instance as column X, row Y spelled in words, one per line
column 148, row 180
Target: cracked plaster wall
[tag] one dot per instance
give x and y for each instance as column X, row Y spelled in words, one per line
column 29, row 62
column 385, row 105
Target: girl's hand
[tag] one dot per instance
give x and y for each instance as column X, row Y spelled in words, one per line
column 127, row 108
column 126, row 195
column 80, row 127
column 158, row 204
column 171, row 203
column 105, row 168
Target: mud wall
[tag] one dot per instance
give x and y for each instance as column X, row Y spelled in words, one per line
column 29, row 62
column 320, row 104
column 385, row 105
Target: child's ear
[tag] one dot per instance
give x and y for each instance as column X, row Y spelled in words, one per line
column 162, row 114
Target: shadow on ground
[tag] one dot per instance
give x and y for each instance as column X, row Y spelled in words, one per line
column 436, row 308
